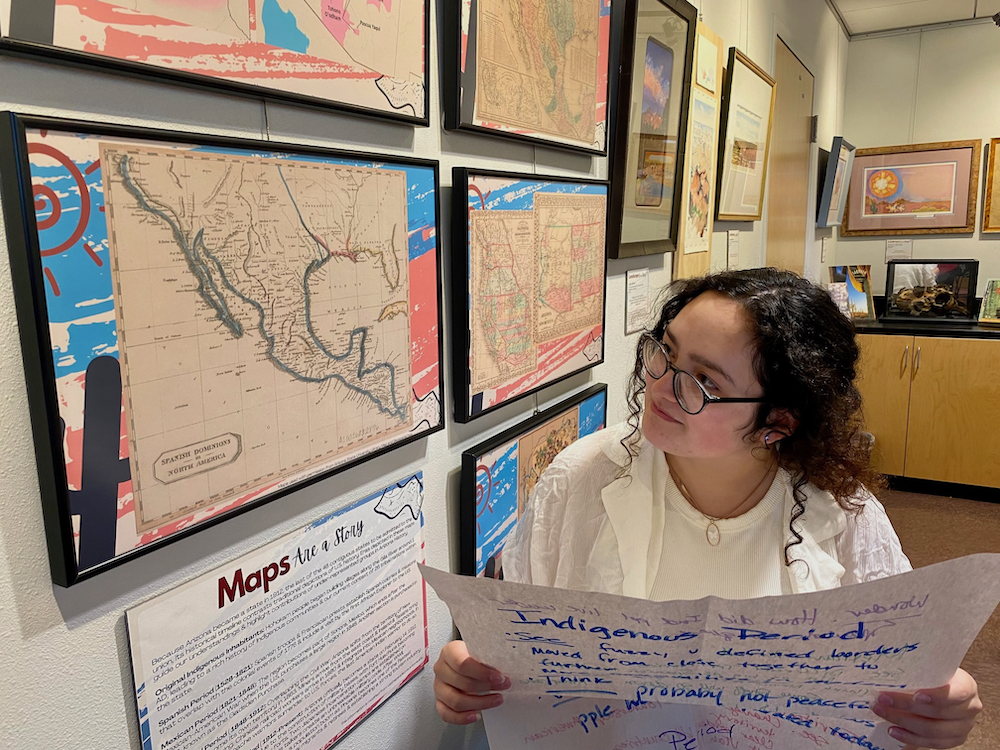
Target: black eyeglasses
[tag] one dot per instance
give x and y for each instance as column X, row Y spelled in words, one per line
column 690, row 394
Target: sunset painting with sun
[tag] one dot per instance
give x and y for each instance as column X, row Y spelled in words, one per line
column 923, row 189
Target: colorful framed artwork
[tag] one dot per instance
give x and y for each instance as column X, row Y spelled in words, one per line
column 531, row 70
column 366, row 57
column 989, row 309
column 991, row 211
column 858, row 282
column 529, row 265
column 703, row 137
column 744, row 140
column 655, row 65
column 833, row 190
column 499, row 474
column 208, row 324
column 925, row 188
column 930, row 290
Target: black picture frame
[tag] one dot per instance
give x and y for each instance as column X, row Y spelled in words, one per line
column 459, row 84
column 96, row 499
column 829, row 190
column 952, row 299
column 586, row 348
column 35, row 42
column 625, row 15
column 472, row 504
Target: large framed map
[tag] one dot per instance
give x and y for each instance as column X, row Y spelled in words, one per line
column 499, row 474
column 208, row 324
column 366, row 57
column 532, row 69
column 531, row 274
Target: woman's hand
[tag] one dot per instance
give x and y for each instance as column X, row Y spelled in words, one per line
column 937, row 718
column 462, row 685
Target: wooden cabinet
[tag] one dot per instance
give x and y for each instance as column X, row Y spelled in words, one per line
column 933, row 404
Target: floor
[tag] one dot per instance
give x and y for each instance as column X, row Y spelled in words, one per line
column 932, row 529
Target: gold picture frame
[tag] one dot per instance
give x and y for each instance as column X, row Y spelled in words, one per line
column 878, row 203
column 991, row 219
column 742, row 167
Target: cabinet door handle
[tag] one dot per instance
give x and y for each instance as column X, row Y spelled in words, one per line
column 906, row 357
column 916, row 362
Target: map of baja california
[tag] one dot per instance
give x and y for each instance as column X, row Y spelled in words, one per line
column 263, row 318
column 537, row 66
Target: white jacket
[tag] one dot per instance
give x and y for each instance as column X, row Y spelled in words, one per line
column 586, row 529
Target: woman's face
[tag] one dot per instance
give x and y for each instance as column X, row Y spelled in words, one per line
column 710, row 338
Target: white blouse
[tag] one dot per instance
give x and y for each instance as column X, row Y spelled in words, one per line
column 586, row 528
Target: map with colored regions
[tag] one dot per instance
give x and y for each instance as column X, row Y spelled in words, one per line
column 263, row 317
column 569, row 230
column 362, row 53
column 504, row 274
column 538, row 67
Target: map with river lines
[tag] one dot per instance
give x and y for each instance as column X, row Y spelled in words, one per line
column 263, row 316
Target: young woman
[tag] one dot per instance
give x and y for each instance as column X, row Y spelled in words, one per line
column 742, row 471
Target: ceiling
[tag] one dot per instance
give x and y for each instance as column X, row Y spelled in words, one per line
column 867, row 16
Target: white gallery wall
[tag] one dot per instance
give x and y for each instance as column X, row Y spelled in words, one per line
column 925, row 86
column 64, row 669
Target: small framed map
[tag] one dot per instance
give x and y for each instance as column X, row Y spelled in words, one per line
column 208, row 323
column 535, row 70
column 529, row 262
column 499, row 474
column 367, row 57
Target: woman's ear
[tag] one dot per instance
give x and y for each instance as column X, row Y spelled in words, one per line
column 781, row 423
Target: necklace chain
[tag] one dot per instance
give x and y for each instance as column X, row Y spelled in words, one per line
column 713, row 535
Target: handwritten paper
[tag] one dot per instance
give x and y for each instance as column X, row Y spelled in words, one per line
column 589, row 723
column 292, row 644
column 822, row 654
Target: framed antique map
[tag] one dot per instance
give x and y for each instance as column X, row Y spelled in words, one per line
column 921, row 188
column 651, row 99
column 208, row 324
column 536, row 70
column 529, row 262
column 499, row 474
column 367, row 57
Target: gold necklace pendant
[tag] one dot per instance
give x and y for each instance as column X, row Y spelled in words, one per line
column 712, row 534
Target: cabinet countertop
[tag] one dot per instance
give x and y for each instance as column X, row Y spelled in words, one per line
column 949, row 329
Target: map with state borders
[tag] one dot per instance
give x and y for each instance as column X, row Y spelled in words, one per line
column 263, row 317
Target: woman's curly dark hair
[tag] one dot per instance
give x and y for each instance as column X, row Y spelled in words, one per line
column 805, row 359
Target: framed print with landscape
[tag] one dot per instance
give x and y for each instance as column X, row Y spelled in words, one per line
column 855, row 297
column 209, row 323
column 925, row 188
column 368, row 58
column 833, row 191
column 499, row 474
column 651, row 99
column 991, row 211
column 745, row 139
column 529, row 265
column 531, row 69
